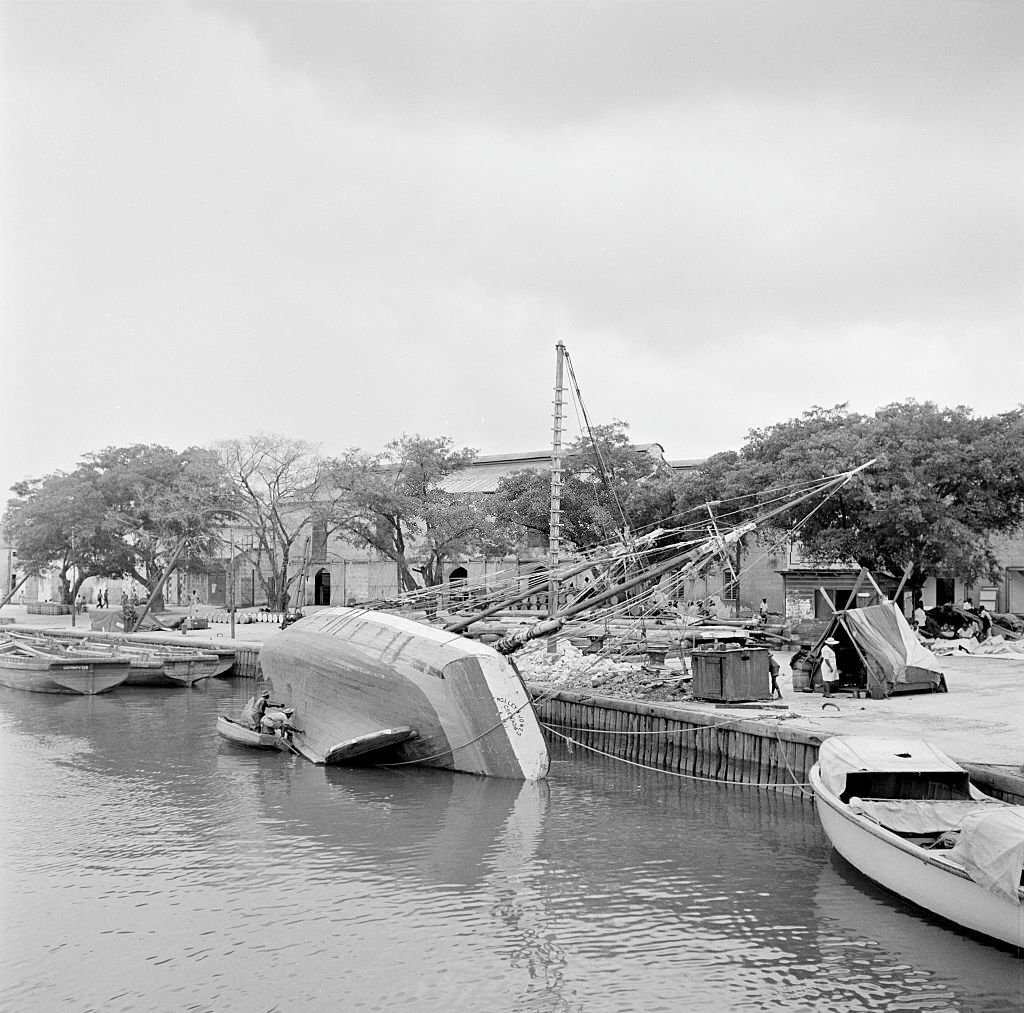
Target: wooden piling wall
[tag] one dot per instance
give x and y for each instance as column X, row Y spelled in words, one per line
column 247, row 661
column 715, row 747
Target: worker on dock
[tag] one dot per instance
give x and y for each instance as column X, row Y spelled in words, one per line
column 829, row 667
column 773, row 674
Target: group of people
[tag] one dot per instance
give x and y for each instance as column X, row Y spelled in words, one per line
column 979, row 619
column 269, row 718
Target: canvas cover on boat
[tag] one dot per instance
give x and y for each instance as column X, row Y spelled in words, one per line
column 918, row 816
column 890, row 649
column 991, row 849
column 841, row 755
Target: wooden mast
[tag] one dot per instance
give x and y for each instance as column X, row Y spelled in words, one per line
column 555, row 524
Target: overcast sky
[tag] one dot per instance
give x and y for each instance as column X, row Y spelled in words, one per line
column 346, row 221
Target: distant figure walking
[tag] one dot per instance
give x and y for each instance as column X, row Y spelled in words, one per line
column 762, row 612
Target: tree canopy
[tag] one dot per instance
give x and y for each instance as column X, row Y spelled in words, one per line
column 609, row 488
column 123, row 511
column 399, row 502
column 283, row 488
column 942, row 485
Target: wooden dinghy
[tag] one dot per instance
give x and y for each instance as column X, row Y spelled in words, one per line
column 353, row 675
column 29, row 667
column 242, row 735
column 909, row 818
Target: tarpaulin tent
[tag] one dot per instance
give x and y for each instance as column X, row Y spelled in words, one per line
column 893, row 660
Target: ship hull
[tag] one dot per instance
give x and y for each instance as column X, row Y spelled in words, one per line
column 350, row 673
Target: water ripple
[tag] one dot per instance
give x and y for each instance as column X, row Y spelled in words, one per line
column 147, row 865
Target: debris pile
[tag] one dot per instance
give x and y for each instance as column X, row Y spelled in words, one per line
column 993, row 647
column 570, row 668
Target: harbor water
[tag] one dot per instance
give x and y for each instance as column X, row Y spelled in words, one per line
column 148, row 865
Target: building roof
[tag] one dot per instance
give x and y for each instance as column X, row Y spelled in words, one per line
column 484, row 474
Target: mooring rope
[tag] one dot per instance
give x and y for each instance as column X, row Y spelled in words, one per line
column 687, row 777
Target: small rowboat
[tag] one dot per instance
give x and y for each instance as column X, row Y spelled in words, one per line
column 908, row 817
column 241, row 735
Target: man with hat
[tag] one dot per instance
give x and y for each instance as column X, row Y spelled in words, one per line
column 829, row 668
column 262, row 703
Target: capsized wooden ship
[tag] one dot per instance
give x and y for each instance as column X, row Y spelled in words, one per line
column 398, row 691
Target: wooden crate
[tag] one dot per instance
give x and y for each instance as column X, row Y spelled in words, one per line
column 731, row 675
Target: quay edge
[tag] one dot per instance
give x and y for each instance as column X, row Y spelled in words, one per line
column 716, row 746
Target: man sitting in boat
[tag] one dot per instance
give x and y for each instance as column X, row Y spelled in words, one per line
column 277, row 722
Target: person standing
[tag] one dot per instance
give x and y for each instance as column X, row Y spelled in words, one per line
column 260, row 708
column 773, row 674
column 829, row 667
column 986, row 623
column 762, row 612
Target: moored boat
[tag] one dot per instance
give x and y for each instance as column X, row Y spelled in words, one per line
column 242, row 735
column 29, row 667
column 149, row 664
column 908, row 817
column 422, row 695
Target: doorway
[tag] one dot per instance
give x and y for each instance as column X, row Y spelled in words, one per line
column 457, row 582
column 322, row 587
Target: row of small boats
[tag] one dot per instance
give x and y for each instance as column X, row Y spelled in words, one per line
column 58, row 662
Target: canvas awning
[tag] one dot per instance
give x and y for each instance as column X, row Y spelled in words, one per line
column 888, row 647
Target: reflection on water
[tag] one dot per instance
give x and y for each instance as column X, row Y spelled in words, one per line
column 149, row 865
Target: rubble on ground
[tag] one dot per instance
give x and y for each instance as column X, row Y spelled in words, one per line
column 569, row 668
column 996, row 647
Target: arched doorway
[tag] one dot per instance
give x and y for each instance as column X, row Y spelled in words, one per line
column 322, row 587
column 457, row 582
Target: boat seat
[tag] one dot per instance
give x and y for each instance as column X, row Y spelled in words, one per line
column 918, row 816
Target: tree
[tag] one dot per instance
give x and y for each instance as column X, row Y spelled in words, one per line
column 283, row 488
column 943, row 484
column 400, row 508
column 58, row 522
column 609, row 489
column 163, row 508
column 124, row 510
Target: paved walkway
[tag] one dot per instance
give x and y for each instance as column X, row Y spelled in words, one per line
column 980, row 719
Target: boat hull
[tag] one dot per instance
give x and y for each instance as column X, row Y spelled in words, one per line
column 242, row 736
column 923, row 877
column 350, row 673
column 83, row 678
column 172, row 672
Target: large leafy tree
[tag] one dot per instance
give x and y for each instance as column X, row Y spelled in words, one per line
column 401, row 509
column 609, row 491
column 164, row 508
column 58, row 522
column 942, row 485
column 283, row 489
column 135, row 510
